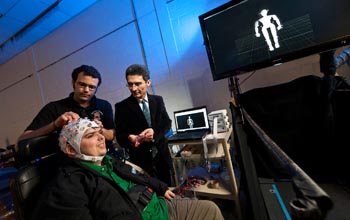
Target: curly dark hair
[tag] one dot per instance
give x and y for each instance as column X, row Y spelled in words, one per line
column 87, row 71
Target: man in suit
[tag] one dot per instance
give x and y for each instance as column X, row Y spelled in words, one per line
column 144, row 140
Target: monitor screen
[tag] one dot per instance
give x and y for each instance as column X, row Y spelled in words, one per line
column 242, row 36
column 191, row 119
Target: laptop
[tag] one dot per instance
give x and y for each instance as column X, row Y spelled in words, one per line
column 191, row 124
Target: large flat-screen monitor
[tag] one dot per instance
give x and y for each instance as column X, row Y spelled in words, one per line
column 245, row 35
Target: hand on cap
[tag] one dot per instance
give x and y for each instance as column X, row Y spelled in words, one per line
column 65, row 118
column 99, row 123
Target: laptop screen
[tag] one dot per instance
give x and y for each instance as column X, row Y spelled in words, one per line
column 191, row 119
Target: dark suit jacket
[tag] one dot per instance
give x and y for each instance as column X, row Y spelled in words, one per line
column 129, row 119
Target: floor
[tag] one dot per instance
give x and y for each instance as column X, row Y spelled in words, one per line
column 340, row 195
column 227, row 208
column 6, row 210
column 7, row 213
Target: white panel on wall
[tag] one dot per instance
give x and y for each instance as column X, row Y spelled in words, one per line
column 186, row 56
column 154, row 49
column 56, row 81
column 102, row 18
column 19, row 106
column 11, row 72
column 110, row 42
column 110, row 56
column 179, row 24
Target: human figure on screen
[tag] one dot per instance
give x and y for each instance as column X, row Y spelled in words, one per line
column 268, row 22
column 190, row 122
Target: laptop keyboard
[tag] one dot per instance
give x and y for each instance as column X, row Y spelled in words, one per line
column 192, row 135
column 186, row 134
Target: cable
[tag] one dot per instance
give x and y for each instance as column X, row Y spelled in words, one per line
column 247, row 77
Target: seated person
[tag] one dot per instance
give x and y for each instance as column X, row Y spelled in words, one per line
column 90, row 185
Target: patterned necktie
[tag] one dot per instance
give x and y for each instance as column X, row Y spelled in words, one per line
column 146, row 112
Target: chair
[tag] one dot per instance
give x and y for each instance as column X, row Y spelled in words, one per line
column 38, row 160
column 137, row 168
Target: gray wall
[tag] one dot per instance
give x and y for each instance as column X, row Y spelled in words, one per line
column 111, row 35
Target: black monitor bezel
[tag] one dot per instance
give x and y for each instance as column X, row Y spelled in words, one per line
column 334, row 43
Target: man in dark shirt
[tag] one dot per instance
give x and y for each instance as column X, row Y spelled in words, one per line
column 81, row 103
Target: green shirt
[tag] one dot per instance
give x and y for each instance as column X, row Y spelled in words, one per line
column 156, row 208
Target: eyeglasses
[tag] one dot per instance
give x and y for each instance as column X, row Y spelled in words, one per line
column 84, row 85
column 137, row 84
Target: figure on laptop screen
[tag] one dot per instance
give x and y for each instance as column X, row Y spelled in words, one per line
column 190, row 122
column 265, row 23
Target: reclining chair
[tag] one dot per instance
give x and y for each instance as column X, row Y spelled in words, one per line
column 38, row 160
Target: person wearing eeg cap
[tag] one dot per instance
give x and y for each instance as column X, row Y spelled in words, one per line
column 91, row 185
column 71, row 136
